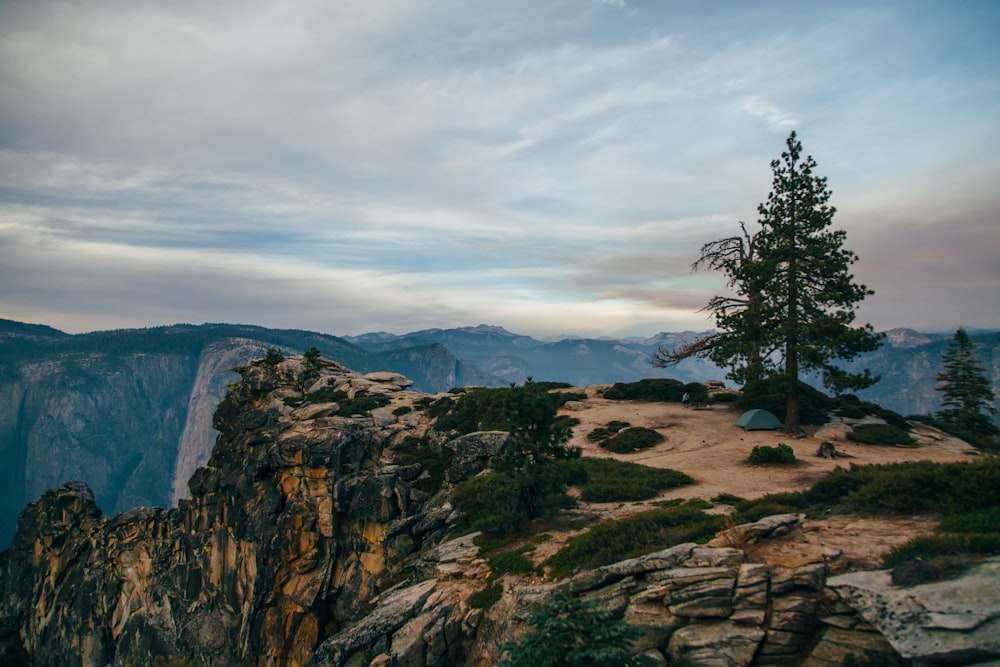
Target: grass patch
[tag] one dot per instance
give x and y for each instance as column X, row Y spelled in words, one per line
column 612, row 541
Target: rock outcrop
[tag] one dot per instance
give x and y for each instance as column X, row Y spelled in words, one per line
column 293, row 528
column 307, row 540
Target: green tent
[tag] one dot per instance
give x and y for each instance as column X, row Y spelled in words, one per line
column 758, row 420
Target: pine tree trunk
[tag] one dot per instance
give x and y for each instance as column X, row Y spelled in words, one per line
column 791, row 335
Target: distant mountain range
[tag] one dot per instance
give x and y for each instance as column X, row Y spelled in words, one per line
column 130, row 411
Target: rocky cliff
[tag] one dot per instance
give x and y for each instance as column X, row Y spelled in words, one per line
column 307, row 541
column 130, row 412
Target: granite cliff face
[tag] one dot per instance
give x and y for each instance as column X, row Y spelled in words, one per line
column 307, row 541
column 290, row 531
column 130, row 412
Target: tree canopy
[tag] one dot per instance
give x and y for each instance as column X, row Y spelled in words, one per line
column 793, row 300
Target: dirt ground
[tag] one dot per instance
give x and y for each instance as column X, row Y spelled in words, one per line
column 706, row 444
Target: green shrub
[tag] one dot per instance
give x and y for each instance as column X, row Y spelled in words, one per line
column 511, row 562
column 609, row 480
column 362, row 402
column 631, row 439
column 487, row 597
column 476, row 410
column 434, row 460
column 725, row 397
column 880, row 434
column 483, row 409
column 727, row 499
column 918, row 487
column 402, row 410
column 763, row 454
column 567, row 630
column 944, row 544
column 651, row 389
column 501, row 503
column 614, row 540
column 602, row 433
column 984, row 521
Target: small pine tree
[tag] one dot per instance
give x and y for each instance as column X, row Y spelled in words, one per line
column 967, row 397
column 569, row 631
column 273, row 357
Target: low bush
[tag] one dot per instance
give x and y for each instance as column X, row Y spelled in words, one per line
column 568, row 630
column 487, row 597
column 983, row 521
column 511, row 562
column 664, row 390
column 615, row 540
column 944, row 544
column 434, row 461
column 918, row 487
column 631, row 439
column 602, row 433
column 484, row 409
column 362, row 403
column 763, row 454
column 609, row 480
column 502, row 503
column 880, row 434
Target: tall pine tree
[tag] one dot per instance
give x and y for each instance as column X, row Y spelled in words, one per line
column 793, row 310
column 808, row 295
column 967, row 396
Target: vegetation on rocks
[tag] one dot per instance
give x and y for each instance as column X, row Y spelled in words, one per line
column 568, row 630
column 615, row 540
column 525, row 483
column 880, row 434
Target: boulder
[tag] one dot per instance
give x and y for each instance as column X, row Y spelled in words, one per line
column 950, row 622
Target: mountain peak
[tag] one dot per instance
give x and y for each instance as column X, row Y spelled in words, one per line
column 902, row 337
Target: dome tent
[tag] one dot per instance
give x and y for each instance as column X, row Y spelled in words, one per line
column 758, row 420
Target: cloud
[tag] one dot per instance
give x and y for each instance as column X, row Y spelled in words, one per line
column 775, row 118
column 554, row 166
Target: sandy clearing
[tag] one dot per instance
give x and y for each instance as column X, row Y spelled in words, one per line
column 707, row 445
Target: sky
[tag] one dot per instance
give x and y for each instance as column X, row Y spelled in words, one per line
column 551, row 167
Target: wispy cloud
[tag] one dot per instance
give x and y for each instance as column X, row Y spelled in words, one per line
column 776, row 119
column 552, row 166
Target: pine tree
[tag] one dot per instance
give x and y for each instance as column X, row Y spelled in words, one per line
column 794, row 302
column 568, row 632
column 967, row 396
column 808, row 294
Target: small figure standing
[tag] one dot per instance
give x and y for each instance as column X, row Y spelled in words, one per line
column 686, row 399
